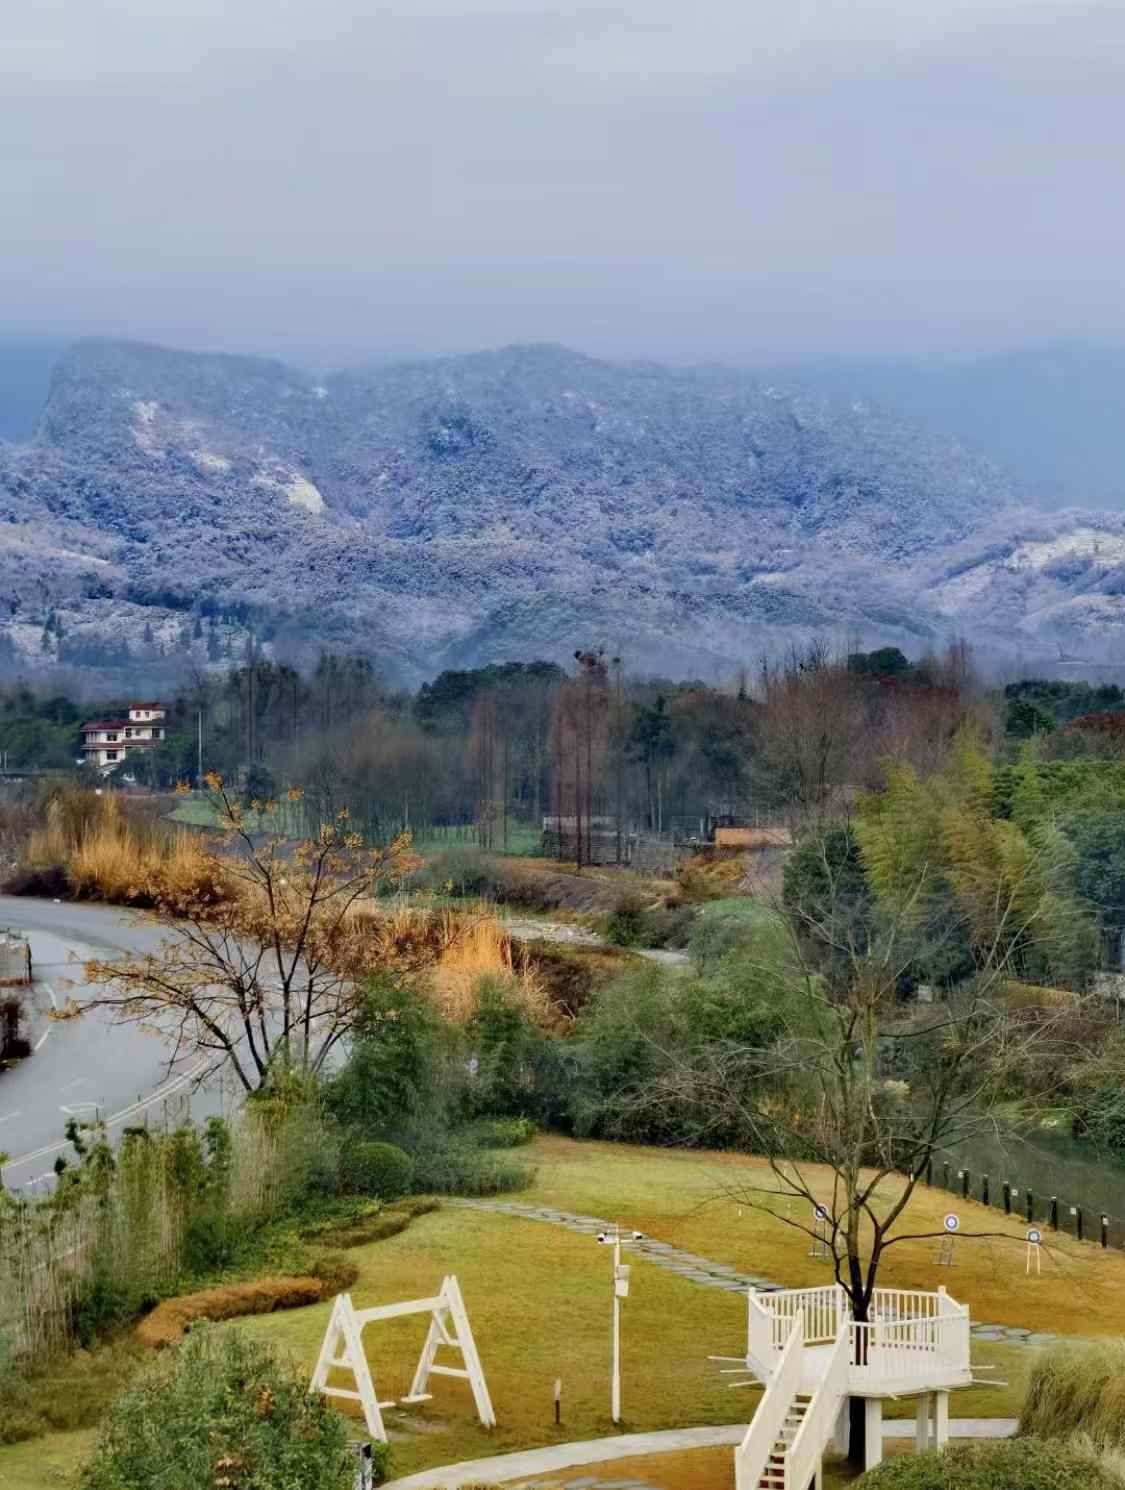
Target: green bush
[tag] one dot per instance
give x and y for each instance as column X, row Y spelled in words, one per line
column 371, row 1168
column 457, row 1168
column 1015, row 1464
column 631, row 923
column 220, row 1410
column 502, row 1132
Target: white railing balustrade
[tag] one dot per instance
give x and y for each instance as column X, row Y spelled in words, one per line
column 760, row 1333
column 753, row 1453
column 821, row 1310
column 807, row 1448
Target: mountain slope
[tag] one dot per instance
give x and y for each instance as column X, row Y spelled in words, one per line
column 526, row 500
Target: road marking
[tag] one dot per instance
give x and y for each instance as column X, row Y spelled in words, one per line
column 160, row 1095
column 50, row 1026
column 77, row 1107
column 8, row 1116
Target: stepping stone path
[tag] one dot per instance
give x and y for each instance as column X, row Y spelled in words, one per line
column 702, row 1270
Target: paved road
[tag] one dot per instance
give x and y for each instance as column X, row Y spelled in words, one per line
column 84, row 1066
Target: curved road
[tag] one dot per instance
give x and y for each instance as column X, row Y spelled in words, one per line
column 89, row 1066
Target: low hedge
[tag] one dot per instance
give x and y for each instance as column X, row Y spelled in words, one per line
column 1012, row 1464
column 170, row 1320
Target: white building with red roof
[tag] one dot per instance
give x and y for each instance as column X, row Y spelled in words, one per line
column 107, row 742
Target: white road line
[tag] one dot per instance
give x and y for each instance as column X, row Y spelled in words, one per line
column 8, row 1116
column 50, row 1026
column 118, row 1117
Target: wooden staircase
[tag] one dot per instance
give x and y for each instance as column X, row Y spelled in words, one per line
column 773, row 1476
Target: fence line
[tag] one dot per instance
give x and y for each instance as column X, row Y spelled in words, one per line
column 1085, row 1223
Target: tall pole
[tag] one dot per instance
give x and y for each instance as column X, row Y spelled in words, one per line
column 199, row 753
column 615, row 1408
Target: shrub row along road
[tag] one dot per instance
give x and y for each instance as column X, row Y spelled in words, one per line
column 85, row 1067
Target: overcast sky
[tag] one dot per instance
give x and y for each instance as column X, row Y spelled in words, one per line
column 686, row 178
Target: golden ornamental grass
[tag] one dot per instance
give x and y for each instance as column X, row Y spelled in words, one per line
column 1078, row 1388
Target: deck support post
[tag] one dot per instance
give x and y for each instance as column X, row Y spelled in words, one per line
column 842, row 1429
column 873, row 1432
column 922, row 1423
column 941, row 1420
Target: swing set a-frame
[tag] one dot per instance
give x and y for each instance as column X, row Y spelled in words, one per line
column 449, row 1326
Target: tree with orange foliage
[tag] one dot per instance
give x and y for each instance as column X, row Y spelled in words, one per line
column 268, row 973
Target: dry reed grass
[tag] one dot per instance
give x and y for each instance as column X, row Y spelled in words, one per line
column 123, row 858
column 461, row 948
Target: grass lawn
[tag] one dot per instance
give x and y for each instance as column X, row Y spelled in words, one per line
column 539, row 1299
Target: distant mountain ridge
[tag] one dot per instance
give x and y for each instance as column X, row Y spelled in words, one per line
column 511, row 503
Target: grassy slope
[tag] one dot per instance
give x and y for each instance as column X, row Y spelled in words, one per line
column 540, row 1302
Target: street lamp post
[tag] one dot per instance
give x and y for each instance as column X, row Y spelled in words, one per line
column 620, row 1291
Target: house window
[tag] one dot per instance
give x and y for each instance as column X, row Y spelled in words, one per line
column 111, row 737
column 111, row 755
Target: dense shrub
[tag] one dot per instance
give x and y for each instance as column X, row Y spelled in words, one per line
column 455, row 1167
column 391, row 1070
column 368, row 1167
column 644, row 1030
column 223, row 1410
column 502, row 1132
column 1018, row 1464
column 632, row 923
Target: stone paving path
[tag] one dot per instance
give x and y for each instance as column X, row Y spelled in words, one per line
column 529, row 1466
column 702, row 1270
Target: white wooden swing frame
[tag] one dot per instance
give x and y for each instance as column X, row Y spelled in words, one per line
column 343, row 1350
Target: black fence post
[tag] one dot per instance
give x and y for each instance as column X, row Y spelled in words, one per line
column 930, row 1171
column 965, row 1184
column 1105, row 1231
column 1030, row 1206
column 945, row 1176
column 1054, row 1213
column 1007, row 1197
column 1078, row 1222
column 984, row 1189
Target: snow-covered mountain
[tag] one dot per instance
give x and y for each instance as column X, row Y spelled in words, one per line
column 512, row 503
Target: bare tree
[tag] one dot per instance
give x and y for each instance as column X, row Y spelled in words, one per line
column 263, row 963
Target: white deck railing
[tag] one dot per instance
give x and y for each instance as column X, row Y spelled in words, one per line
column 910, row 1334
column 807, row 1449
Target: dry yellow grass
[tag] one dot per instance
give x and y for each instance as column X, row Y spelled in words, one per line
column 691, row 1200
column 476, row 947
column 124, row 860
column 460, row 948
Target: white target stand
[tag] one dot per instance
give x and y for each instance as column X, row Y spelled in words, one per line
column 952, row 1225
column 1034, row 1251
column 819, row 1248
column 342, row 1349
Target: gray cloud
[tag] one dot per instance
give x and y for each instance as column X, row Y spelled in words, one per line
column 736, row 178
